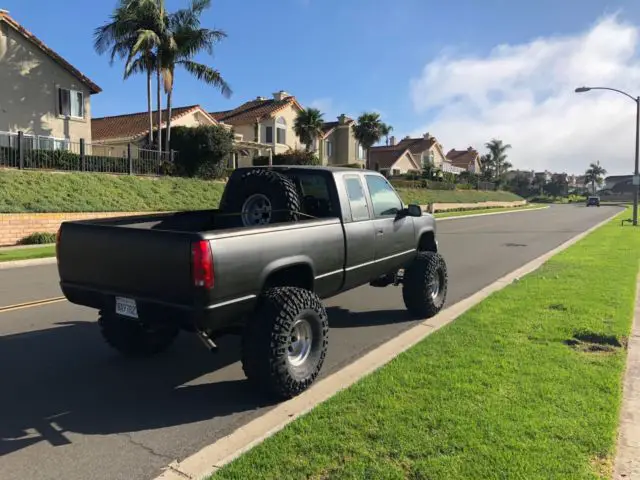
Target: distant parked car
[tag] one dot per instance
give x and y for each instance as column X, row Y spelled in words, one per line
column 593, row 200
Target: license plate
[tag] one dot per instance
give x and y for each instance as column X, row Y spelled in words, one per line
column 126, row 307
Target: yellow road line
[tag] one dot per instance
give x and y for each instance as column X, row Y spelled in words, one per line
column 36, row 303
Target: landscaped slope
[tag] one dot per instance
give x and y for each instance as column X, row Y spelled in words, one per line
column 85, row 192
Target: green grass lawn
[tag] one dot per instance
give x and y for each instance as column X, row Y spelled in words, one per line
column 526, row 385
column 84, row 192
column 27, row 253
column 463, row 213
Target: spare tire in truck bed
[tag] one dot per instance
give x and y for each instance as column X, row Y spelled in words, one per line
column 261, row 197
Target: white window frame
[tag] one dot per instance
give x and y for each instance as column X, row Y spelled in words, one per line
column 281, row 124
column 58, row 143
column 72, row 93
column 328, row 149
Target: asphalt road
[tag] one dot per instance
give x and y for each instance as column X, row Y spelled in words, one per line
column 72, row 408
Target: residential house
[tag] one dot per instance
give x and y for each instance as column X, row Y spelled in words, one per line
column 268, row 121
column 112, row 135
column 338, row 145
column 426, row 150
column 468, row 159
column 391, row 160
column 41, row 93
column 115, row 136
column 611, row 181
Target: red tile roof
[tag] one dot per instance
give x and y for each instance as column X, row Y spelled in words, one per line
column 386, row 156
column 4, row 17
column 133, row 125
column 254, row 110
column 462, row 158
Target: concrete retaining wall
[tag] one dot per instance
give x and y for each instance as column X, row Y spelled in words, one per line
column 444, row 207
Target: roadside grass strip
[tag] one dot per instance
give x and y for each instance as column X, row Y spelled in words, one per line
column 525, row 385
column 27, row 253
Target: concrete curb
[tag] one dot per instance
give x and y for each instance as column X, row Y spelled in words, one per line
column 627, row 462
column 213, row 457
column 27, row 263
column 518, row 210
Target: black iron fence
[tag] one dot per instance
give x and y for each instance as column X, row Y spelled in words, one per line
column 24, row 151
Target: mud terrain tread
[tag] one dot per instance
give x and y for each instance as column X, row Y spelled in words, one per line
column 264, row 349
column 415, row 288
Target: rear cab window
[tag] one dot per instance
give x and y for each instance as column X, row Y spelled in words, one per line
column 357, row 199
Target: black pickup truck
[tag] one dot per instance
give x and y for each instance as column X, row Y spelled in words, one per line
column 283, row 239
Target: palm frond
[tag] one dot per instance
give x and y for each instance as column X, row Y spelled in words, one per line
column 207, row 75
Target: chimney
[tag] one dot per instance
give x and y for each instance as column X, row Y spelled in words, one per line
column 469, row 149
column 392, row 140
column 426, row 136
column 342, row 119
column 281, row 95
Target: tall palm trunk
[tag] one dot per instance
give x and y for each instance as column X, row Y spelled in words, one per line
column 168, row 139
column 159, row 99
column 149, row 108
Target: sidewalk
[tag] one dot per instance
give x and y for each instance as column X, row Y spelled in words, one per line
column 627, row 464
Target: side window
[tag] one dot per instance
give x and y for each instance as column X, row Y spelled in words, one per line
column 357, row 200
column 384, row 198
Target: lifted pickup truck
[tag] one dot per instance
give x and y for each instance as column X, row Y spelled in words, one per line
column 283, row 239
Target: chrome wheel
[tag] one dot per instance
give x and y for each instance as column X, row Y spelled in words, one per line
column 300, row 340
column 256, row 210
column 434, row 289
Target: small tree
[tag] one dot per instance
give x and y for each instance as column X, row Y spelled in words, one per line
column 368, row 130
column 202, row 150
column 308, row 126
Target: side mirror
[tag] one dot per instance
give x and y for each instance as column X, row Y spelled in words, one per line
column 414, row 210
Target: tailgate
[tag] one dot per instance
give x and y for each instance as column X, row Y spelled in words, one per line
column 139, row 263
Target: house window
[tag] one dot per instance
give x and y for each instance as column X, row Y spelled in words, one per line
column 268, row 137
column 281, row 131
column 329, row 148
column 70, row 103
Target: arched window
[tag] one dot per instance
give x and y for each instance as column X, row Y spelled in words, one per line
column 281, row 130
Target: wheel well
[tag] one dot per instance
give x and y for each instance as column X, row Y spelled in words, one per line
column 427, row 242
column 299, row 275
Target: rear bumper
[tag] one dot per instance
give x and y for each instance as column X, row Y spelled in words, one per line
column 190, row 317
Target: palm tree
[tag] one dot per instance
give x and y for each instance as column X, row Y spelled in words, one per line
column 132, row 34
column 497, row 150
column 487, row 167
column 386, row 131
column 369, row 129
column 183, row 40
column 593, row 175
column 308, row 126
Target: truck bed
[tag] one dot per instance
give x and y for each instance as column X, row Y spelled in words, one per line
column 148, row 257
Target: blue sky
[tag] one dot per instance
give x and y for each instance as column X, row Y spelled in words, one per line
column 342, row 55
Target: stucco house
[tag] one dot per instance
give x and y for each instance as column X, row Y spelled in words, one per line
column 338, row 145
column 111, row 135
column 268, row 121
column 468, row 159
column 391, row 160
column 41, row 93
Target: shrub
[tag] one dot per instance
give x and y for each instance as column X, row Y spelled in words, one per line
column 291, row 157
column 202, row 150
column 38, row 238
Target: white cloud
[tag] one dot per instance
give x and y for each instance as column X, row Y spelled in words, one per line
column 524, row 95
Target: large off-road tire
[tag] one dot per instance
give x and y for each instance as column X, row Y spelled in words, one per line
column 262, row 197
column 285, row 341
column 424, row 286
column 133, row 338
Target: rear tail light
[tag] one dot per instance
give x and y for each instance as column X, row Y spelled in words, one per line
column 202, row 264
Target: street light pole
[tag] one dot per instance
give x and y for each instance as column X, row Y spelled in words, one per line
column 636, row 188
column 636, row 173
